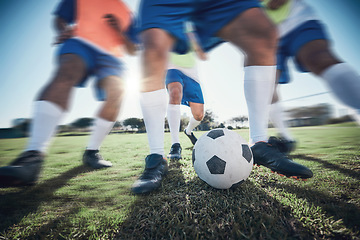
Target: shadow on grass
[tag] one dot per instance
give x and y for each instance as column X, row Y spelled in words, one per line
column 336, row 167
column 16, row 205
column 333, row 207
column 190, row 209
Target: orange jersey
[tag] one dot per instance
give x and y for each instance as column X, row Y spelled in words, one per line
column 93, row 27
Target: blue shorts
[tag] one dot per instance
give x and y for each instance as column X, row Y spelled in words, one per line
column 98, row 64
column 208, row 16
column 191, row 89
column 290, row 44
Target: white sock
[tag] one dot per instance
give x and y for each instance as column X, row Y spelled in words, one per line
column 355, row 114
column 46, row 118
column 153, row 106
column 173, row 117
column 357, row 118
column 101, row 129
column 344, row 82
column 259, row 84
column 276, row 115
column 193, row 123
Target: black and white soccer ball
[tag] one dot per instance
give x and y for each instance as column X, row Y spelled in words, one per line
column 222, row 158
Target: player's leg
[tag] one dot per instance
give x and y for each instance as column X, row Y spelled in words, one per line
column 316, row 56
column 173, row 111
column 54, row 100
column 341, row 78
column 193, row 98
column 285, row 142
column 49, row 109
column 175, row 90
column 197, row 111
column 252, row 32
column 257, row 39
column 113, row 87
column 157, row 43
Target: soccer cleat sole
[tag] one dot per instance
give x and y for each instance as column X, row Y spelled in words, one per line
column 284, row 175
column 293, row 177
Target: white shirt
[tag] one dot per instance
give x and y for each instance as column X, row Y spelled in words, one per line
column 300, row 12
column 190, row 70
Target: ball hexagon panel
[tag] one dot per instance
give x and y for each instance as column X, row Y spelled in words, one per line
column 214, row 134
column 246, row 152
column 216, row 165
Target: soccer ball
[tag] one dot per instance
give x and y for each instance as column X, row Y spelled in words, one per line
column 222, row 158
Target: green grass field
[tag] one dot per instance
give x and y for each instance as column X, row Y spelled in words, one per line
column 74, row 202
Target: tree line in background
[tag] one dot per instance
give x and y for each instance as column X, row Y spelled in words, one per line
column 301, row 116
column 134, row 125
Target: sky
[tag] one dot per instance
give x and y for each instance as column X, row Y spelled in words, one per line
column 27, row 62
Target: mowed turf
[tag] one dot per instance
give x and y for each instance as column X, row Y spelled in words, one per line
column 74, row 202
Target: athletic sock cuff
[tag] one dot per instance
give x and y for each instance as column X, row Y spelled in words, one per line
column 48, row 108
column 336, row 69
column 153, row 98
column 258, row 72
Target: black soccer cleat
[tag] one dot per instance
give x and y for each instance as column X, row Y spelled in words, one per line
column 285, row 146
column 156, row 168
column 93, row 159
column 269, row 156
column 23, row 171
column 192, row 137
column 175, row 152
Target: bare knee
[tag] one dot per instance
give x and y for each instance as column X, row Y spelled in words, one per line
column 263, row 49
column 71, row 70
column 154, row 47
column 114, row 88
column 69, row 73
column 157, row 44
column 197, row 110
column 255, row 35
column 272, row 38
column 198, row 116
column 316, row 56
column 267, row 35
column 175, row 93
column 175, row 96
